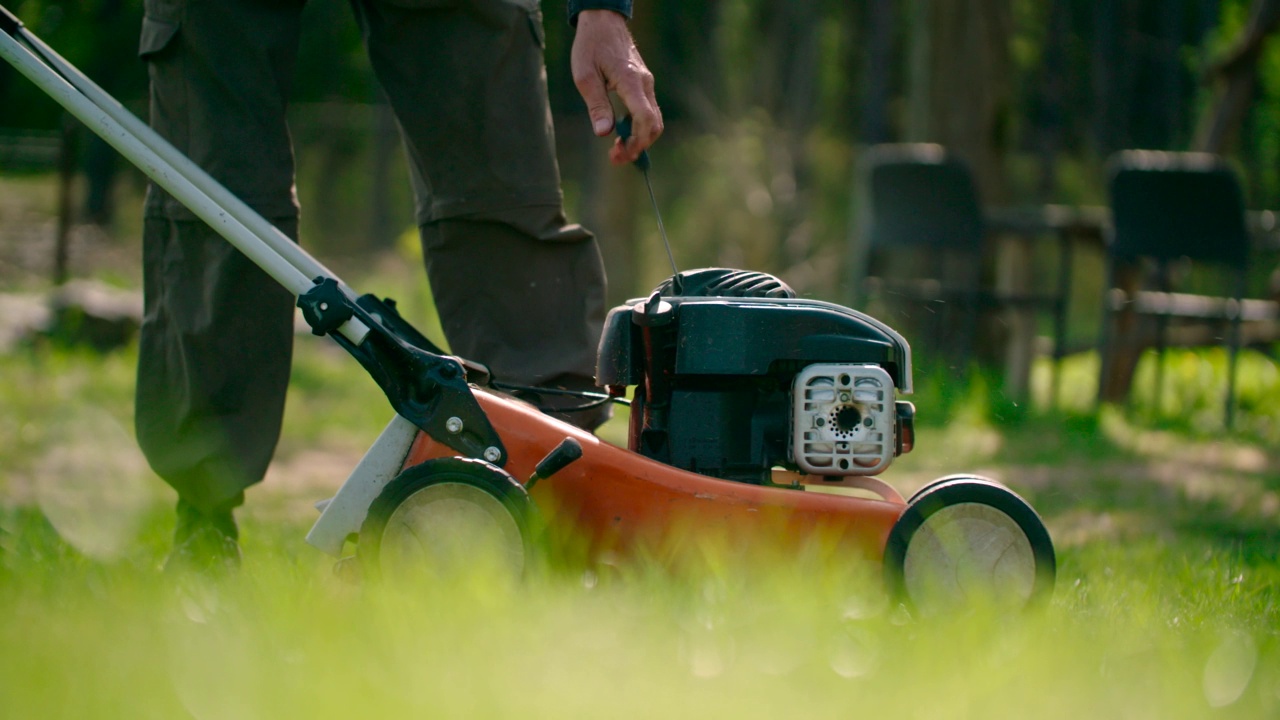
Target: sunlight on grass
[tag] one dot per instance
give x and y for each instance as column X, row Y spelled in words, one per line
column 1167, row 602
column 1164, row 636
column 1192, row 392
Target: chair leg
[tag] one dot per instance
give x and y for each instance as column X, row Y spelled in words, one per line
column 1162, row 329
column 1105, row 336
column 1157, row 399
column 1233, row 354
column 1060, row 315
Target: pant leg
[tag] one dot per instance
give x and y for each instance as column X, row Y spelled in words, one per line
column 220, row 76
column 518, row 287
column 529, row 307
column 216, row 339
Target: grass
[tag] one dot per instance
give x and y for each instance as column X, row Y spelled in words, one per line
column 1167, row 604
column 1136, row 632
column 1168, row 597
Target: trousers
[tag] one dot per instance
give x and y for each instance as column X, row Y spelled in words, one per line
column 517, row 287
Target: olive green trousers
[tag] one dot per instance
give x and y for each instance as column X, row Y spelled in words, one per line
column 517, row 287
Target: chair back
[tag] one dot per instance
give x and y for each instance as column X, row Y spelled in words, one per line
column 919, row 196
column 1171, row 205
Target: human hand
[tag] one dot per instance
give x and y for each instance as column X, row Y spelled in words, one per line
column 604, row 60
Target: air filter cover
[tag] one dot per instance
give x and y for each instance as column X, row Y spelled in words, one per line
column 843, row 419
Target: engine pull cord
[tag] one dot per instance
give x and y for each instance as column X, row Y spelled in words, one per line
column 642, row 162
column 595, row 399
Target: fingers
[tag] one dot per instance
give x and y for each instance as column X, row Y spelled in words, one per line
column 618, row 153
column 592, row 88
column 636, row 92
column 604, row 58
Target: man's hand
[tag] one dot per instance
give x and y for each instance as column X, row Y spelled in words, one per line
column 605, row 59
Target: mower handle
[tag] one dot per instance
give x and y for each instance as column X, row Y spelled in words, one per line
column 9, row 22
column 421, row 383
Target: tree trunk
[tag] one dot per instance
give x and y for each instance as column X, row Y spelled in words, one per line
column 961, row 84
column 1051, row 110
column 1237, row 78
column 67, row 156
column 878, row 71
column 960, row 96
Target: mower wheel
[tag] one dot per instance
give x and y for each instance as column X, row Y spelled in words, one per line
column 444, row 517
column 965, row 540
column 929, row 486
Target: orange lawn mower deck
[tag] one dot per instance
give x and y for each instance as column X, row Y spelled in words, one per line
column 729, row 436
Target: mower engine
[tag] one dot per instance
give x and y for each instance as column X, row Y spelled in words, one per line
column 735, row 376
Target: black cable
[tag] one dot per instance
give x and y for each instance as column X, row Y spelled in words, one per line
column 598, row 399
column 588, row 406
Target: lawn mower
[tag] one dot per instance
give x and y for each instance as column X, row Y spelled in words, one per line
column 754, row 412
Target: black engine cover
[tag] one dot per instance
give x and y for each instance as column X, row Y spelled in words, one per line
column 714, row 372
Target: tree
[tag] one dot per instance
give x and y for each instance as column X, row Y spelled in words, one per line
column 961, row 92
column 1236, row 76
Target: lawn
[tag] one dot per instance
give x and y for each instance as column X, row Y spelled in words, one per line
column 1167, row 604
column 1167, row 531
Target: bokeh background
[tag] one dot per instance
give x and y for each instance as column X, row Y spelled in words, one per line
column 1166, row 522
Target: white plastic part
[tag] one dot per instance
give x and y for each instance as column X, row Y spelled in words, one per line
column 965, row 553
column 346, row 511
column 448, row 527
column 843, row 419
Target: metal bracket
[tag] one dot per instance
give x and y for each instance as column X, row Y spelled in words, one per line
column 325, row 306
column 426, row 388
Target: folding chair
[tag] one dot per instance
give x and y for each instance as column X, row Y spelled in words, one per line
column 1179, row 220
column 920, row 201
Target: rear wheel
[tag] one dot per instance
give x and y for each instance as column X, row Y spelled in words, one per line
column 966, row 540
column 447, row 516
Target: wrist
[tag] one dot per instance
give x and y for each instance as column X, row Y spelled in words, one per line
column 598, row 9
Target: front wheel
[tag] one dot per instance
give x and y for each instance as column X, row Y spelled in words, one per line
column 447, row 516
column 967, row 540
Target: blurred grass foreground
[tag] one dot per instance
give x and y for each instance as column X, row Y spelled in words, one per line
column 1167, row 605
column 1167, row 528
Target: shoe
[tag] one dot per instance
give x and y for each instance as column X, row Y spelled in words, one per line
column 206, row 543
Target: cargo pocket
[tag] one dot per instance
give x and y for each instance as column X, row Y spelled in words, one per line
column 535, row 25
column 157, row 35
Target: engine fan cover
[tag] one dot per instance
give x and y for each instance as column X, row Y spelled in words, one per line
column 843, row 419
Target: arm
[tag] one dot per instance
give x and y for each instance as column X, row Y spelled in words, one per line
column 605, row 59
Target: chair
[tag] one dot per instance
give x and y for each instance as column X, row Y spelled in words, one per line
column 1178, row 223
column 920, row 202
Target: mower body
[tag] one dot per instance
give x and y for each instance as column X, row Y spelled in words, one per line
column 744, row 399
column 620, row 502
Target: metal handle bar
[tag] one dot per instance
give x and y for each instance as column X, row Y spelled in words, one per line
column 249, row 232
column 424, row 386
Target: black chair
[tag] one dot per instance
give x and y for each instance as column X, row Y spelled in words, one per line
column 1179, row 235
column 919, row 201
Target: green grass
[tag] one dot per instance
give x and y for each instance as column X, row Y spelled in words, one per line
column 1146, row 630
column 1167, row 605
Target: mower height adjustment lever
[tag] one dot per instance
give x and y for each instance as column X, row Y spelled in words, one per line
column 565, row 453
